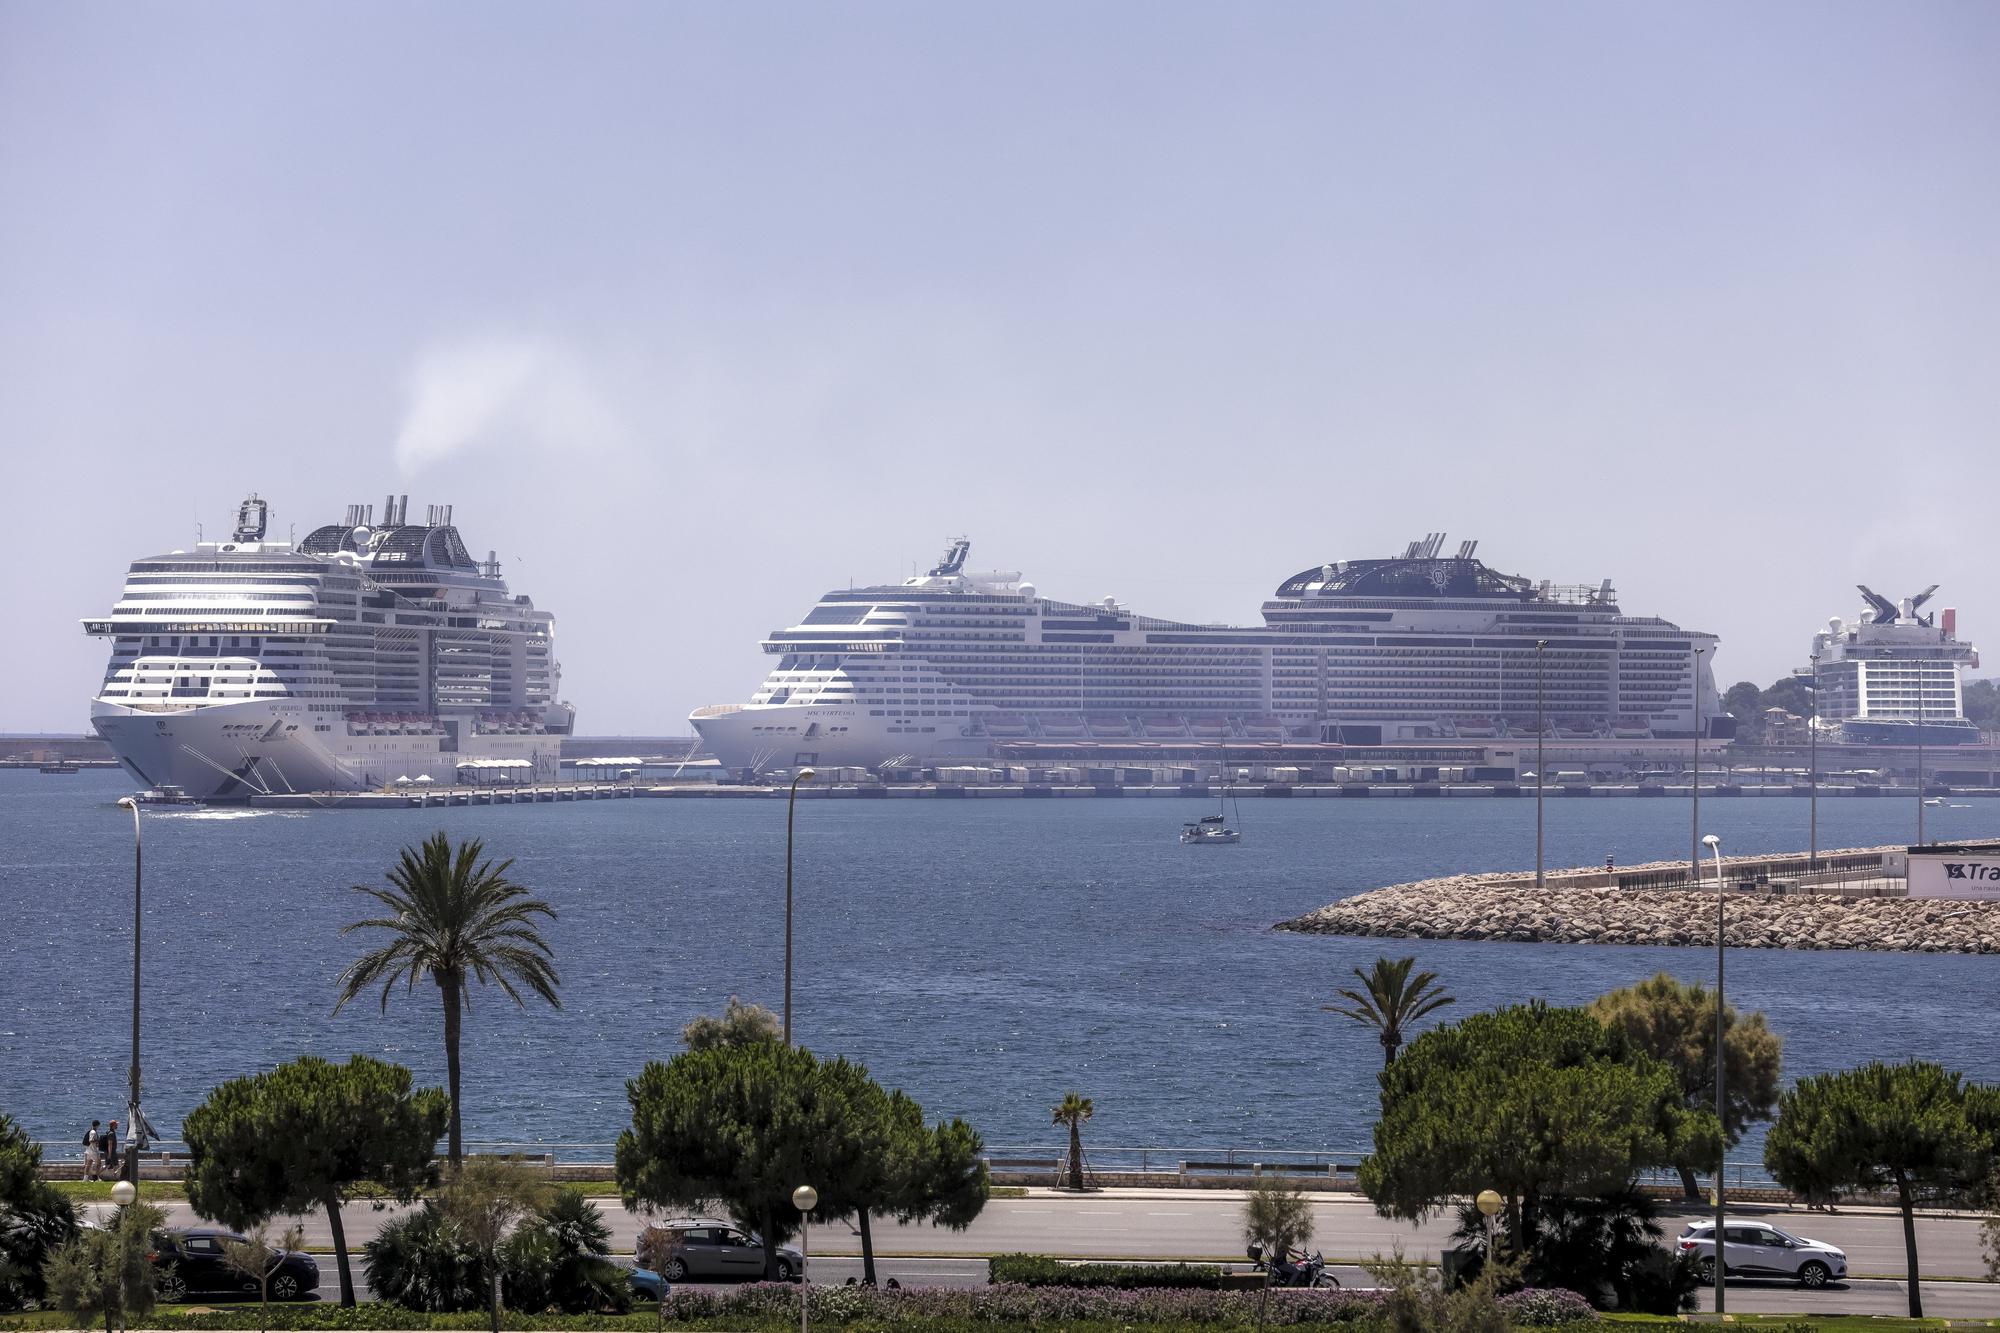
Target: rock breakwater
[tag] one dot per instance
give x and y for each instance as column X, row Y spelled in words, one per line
column 1502, row 907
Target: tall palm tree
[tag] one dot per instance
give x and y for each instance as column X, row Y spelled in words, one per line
column 453, row 917
column 1073, row 1111
column 1390, row 999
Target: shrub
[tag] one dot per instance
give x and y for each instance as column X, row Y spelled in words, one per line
column 32, row 1230
column 1036, row 1270
column 1663, row 1282
column 422, row 1262
column 1546, row 1307
column 561, row 1258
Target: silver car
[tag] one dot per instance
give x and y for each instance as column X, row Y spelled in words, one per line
column 1752, row 1249
column 707, row 1248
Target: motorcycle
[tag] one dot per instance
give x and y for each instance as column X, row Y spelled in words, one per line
column 1294, row 1268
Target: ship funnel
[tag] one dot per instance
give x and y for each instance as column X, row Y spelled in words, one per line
column 251, row 517
column 1951, row 622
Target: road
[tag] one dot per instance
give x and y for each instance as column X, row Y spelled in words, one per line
column 1206, row 1224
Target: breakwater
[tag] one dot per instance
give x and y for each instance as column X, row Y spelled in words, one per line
column 1863, row 908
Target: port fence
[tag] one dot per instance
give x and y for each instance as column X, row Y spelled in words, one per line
column 1031, row 1163
column 1853, row 873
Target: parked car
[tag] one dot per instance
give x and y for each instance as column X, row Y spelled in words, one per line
column 706, row 1248
column 649, row 1286
column 191, row 1263
column 1751, row 1249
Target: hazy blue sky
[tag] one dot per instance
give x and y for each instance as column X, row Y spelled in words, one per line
column 695, row 311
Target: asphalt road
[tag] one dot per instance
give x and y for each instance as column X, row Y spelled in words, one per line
column 1206, row 1224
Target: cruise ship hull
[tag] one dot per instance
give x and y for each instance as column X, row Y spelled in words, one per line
column 233, row 751
column 757, row 738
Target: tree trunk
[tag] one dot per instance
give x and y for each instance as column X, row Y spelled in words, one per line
column 340, row 1251
column 1910, row 1244
column 493, row 1267
column 1690, row 1187
column 867, row 1249
column 770, row 1248
column 1390, row 1041
column 449, row 983
column 1075, row 1156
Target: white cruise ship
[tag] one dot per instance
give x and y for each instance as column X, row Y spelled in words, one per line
column 1893, row 671
column 362, row 656
column 1422, row 647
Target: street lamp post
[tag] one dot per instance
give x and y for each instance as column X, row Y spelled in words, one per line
column 1489, row 1204
column 1812, row 761
column 1541, row 726
column 133, row 1119
column 805, row 1198
column 1695, row 785
column 791, row 806
column 1920, row 752
column 1714, row 844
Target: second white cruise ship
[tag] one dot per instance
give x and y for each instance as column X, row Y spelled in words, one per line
column 1422, row 647
column 365, row 655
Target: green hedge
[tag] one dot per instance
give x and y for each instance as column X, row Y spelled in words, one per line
column 1036, row 1270
column 369, row 1317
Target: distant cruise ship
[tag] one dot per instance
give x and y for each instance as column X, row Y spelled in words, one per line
column 1892, row 671
column 1420, row 647
column 364, row 655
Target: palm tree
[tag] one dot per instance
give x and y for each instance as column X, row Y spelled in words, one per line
column 1390, row 999
column 1073, row 1111
column 454, row 917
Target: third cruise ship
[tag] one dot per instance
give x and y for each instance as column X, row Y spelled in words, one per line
column 1419, row 647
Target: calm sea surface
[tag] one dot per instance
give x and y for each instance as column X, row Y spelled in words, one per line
column 984, row 955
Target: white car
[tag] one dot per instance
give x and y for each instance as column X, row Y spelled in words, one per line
column 1751, row 1249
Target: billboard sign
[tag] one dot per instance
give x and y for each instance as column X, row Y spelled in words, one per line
column 1955, row 874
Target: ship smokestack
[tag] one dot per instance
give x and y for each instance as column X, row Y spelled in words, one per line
column 1951, row 622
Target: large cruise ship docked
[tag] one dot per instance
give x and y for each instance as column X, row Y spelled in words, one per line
column 363, row 655
column 1894, row 671
column 1423, row 647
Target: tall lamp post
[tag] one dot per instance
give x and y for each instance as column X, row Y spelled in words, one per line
column 791, row 807
column 1920, row 752
column 805, row 1198
column 133, row 1118
column 1694, row 784
column 1541, row 726
column 1812, row 769
column 1714, row 844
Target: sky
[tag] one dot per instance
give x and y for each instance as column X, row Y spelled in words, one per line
column 695, row 311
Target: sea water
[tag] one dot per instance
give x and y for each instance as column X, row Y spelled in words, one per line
column 985, row 955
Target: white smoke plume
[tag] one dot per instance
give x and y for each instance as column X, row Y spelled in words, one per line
column 491, row 391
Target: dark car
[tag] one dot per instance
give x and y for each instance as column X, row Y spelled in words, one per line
column 191, row 1263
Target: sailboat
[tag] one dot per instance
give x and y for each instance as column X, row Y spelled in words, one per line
column 1214, row 830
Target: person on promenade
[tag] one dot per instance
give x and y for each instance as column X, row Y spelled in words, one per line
column 107, row 1147
column 93, row 1157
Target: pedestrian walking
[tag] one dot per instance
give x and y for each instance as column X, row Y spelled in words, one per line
column 93, row 1156
column 107, row 1148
